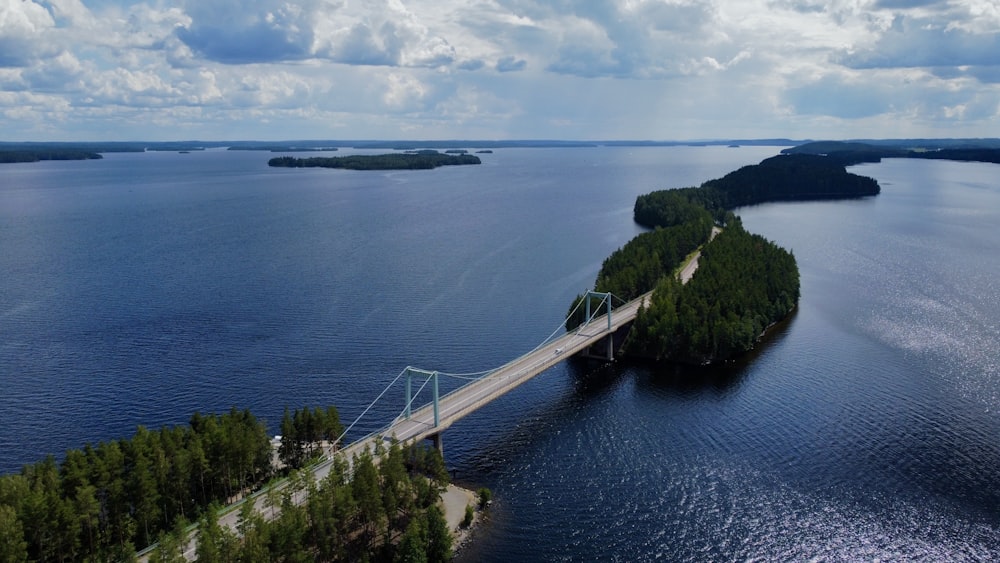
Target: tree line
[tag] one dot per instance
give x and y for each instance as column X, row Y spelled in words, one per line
column 395, row 161
column 967, row 155
column 848, row 153
column 35, row 155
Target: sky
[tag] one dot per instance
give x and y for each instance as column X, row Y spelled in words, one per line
column 73, row 70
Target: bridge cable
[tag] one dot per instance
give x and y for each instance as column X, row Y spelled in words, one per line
column 473, row 376
column 372, row 404
column 623, row 302
column 413, row 397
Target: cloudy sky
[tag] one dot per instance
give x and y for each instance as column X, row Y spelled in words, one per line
column 498, row 69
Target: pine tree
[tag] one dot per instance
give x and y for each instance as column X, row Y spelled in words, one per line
column 439, row 539
column 367, row 493
column 13, row 547
column 413, row 546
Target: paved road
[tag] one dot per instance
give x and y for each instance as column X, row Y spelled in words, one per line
column 688, row 270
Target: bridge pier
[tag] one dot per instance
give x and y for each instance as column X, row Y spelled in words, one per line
column 594, row 352
column 438, row 443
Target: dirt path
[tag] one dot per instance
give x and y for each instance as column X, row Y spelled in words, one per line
column 455, row 499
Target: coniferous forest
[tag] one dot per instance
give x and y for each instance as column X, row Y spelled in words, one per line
column 382, row 508
column 103, row 502
column 743, row 284
column 36, row 155
column 393, row 161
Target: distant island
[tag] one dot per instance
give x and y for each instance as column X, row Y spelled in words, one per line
column 744, row 283
column 281, row 148
column 39, row 154
column 422, row 160
column 849, row 153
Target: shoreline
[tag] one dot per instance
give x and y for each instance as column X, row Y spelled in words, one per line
column 453, row 501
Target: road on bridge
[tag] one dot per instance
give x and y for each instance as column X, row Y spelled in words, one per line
column 470, row 397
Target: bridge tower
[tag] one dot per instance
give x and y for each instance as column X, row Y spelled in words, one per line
column 410, row 371
column 606, row 298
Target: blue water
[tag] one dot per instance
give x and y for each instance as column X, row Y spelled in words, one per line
column 143, row 287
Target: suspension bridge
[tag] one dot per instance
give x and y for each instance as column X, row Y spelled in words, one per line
column 431, row 419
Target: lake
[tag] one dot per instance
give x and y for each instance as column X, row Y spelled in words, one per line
column 141, row 288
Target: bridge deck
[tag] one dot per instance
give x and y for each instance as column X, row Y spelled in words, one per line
column 469, row 397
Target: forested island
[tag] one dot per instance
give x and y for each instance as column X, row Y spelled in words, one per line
column 103, row 501
column 422, row 160
column 744, row 283
column 39, row 154
column 281, row 148
column 848, row 153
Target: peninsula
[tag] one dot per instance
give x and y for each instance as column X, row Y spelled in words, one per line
column 744, row 283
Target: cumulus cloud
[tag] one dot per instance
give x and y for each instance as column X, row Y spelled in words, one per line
column 635, row 40
column 801, row 6
column 362, row 45
column 380, row 33
column 403, row 92
column 240, row 31
column 72, row 13
column 905, row 94
column 23, row 31
column 62, row 73
column 919, row 43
